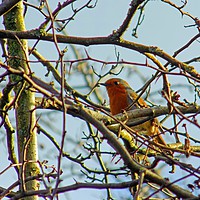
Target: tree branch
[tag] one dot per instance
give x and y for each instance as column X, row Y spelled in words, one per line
column 87, row 41
column 82, row 113
column 133, row 8
column 6, row 5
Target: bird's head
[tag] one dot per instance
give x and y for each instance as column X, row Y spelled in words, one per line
column 115, row 85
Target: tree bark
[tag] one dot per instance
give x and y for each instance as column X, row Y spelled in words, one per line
column 24, row 101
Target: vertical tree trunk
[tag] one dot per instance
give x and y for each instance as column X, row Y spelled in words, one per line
column 25, row 99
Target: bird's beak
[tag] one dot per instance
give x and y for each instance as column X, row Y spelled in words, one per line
column 104, row 84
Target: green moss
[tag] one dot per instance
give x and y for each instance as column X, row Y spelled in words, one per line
column 25, row 98
column 13, row 20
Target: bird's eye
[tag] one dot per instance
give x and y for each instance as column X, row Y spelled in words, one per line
column 116, row 82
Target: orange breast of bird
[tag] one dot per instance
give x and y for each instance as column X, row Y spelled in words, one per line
column 121, row 96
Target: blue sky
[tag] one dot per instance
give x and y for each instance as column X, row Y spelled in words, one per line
column 163, row 26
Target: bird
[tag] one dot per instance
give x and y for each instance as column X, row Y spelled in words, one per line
column 123, row 98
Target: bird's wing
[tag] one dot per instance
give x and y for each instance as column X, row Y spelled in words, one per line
column 132, row 96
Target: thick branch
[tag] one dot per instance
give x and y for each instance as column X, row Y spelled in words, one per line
column 6, row 5
column 52, row 93
column 153, row 112
column 87, row 41
column 133, row 8
column 73, row 187
column 82, row 113
column 25, row 116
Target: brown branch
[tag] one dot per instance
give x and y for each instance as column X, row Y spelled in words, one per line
column 77, row 186
column 54, row 95
column 56, row 11
column 186, row 45
column 87, row 41
column 179, row 8
column 82, row 113
column 6, row 5
column 133, row 8
column 8, row 191
column 166, row 84
column 154, row 112
column 180, row 192
column 57, row 77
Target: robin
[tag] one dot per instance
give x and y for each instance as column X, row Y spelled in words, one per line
column 122, row 97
